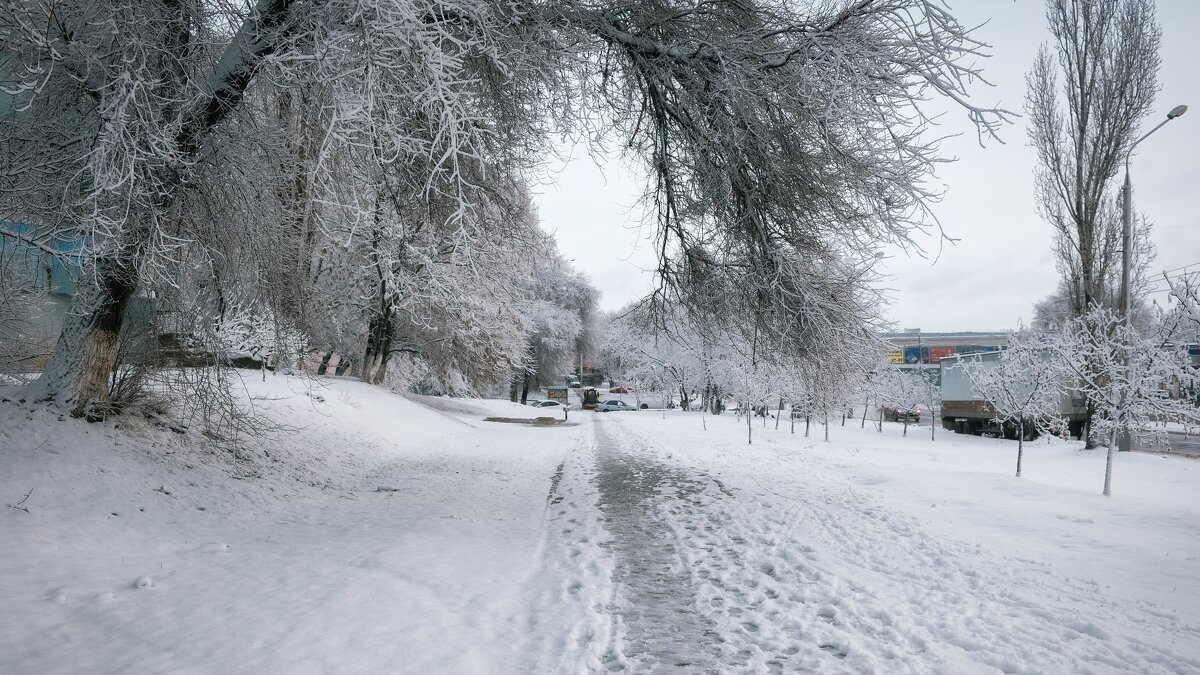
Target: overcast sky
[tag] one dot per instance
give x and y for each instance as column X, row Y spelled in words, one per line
column 1002, row 264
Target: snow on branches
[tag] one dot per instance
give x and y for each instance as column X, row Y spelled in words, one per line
column 1128, row 378
column 785, row 144
column 1022, row 385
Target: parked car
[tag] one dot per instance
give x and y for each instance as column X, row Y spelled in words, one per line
column 613, row 405
column 620, row 390
column 550, row 404
column 575, row 384
column 535, row 402
column 898, row 415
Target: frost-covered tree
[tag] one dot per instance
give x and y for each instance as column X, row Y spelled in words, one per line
column 1087, row 93
column 1106, row 53
column 1022, row 385
column 1054, row 312
column 827, row 387
column 933, row 399
column 785, row 143
column 1128, row 377
column 903, row 389
column 556, row 318
column 1181, row 320
column 634, row 352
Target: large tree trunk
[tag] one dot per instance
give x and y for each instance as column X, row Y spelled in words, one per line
column 1089, row 439
column 379, row 342
column 85, row 357
column 324, row 367
column 86, row 353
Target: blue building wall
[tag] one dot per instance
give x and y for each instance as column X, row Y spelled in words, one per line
column 57, row 274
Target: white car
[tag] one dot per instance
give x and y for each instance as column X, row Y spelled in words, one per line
column 613, row 405
column 549, row 404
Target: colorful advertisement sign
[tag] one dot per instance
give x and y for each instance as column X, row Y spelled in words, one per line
column 937, row 353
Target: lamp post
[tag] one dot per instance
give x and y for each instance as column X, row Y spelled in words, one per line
column 1126, row 246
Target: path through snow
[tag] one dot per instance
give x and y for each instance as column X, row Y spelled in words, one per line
column 664, row 631
column 737, row 559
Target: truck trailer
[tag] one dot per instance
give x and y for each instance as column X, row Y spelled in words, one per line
column 965, row 411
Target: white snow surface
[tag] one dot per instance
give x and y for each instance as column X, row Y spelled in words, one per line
column 383, row 533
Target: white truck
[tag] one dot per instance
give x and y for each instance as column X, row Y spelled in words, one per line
column 964, row 411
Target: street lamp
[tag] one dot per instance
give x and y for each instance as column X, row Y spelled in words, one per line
column 1127, row 235
column 1127, row 214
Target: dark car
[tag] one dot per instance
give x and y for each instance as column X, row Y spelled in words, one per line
column 901, row 415
column 620, row 390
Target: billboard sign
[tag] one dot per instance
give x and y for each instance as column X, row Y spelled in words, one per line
column 936, row 354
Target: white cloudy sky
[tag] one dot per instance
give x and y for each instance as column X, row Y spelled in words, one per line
column 1001, row 264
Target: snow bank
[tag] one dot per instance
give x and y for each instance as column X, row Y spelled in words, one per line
column 378, row 534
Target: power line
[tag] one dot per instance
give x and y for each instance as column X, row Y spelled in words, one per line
column 1182, row 268
column 1166, row 277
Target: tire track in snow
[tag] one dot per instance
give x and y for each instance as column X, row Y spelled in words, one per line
column 799, row 575
column 742, row 597
column 662, row 630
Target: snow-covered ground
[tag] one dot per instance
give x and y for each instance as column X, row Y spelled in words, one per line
column 388, row 534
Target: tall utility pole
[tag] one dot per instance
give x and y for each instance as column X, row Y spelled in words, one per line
column 1126, row 249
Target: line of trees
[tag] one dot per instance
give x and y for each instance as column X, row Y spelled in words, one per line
column 705, row 365
column 1133, row 380
column 351, row 174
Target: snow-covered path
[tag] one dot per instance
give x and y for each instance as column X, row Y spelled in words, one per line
column 386, row 534
column 658, row 595
column 731, row 559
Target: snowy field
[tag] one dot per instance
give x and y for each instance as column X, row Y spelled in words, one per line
column 390, row 534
